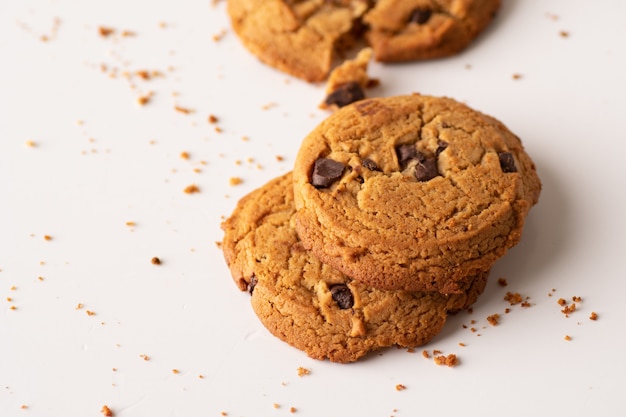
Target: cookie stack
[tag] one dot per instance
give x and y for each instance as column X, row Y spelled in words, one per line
column 393, row 215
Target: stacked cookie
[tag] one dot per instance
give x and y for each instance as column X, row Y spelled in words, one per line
column 394, row 213
column 304, row 37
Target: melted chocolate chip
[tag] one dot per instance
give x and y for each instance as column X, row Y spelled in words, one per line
column 346, row 93
column 252, row 284
column 407, row 153
column 441, row 146
column 426, row 170
column 325, row 172
column 369, row 164
column 342, row 295
column 507, row 163
column 420, row 16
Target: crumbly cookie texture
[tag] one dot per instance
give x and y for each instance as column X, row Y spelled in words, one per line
column 408, row 30
column 299, row 37
column 303, row 37
column 348, row 82
column 412, row 192
column 309, row 304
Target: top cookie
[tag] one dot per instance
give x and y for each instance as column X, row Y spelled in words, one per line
column 313, row 306
column 407, row 30
column 412, row 192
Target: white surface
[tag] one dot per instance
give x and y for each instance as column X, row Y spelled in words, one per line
column 101, row 160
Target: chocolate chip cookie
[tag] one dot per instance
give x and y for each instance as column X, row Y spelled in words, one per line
column 408, row 30
column 412, row 192
column 309, row 304
column 303, row 37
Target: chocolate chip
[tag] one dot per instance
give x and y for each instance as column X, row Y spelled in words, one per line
column 426, row 170
column 407, row 153
column 252, row 284
column 325, row 172
column 441, row 146
column 346, row 93
column 507, row 163
column 342, row 295
column 369, row 164
column 420, row 16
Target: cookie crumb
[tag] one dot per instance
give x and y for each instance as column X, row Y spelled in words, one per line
column 30, row 144
column 593, row 316
column 400, row 387
column 293, row 409
column 513, row 298
column 144, row 357
column 47, row 237
column 494, row 319
column 276, row 406
column 105, row 32
column 191, row 189
column 184, row 155
column 450, row 360
column 143, row 100
column 425, row 354
column 155, row 261
column 302, row 371
column 23, row 406
column 90, row 313
column 183, row 110
column 130, row 224
column 212, row 119
column 235, row 181
column 106, row 411
column 502, row 282
column 564, row 34
column 568, row 337
column 517, row 76
column 567, row 310
column 175, row 371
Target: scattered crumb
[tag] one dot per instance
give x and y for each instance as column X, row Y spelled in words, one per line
column 513, row 298
column 175, row 371
column 13, row 308
column 201, row 376
column 400, row 387
column 293, row 409
column 144, row 357
column 235, row 181
column 30, row 144
column 191, row 189
column 106, row 411
column 493, row 319
column 450, row 360
column 276, row 405
column 143, row 100
column 184, row 155
column 105, row 31
column 155, row 261
column 564, row 34
column 218, row 36
column 561, row 302
column 517, row 76
column 568, row 337
column 577, row 299
column 279, row 158
column 436, row 352
column 567, row 310
column 183, row 110
column 462, row 344
column 131, row 224
column 224, row 413
column 47, row 237
column 303, row 371
column 502, row 282
column 212, row 119
column 90, row 312
column 79, row 306
column 593, row 316
column 23, row 406
column 268, row 106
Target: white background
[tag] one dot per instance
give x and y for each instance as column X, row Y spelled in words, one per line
column 98, row 160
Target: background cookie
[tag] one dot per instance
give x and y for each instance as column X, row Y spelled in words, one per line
column 407, row 30
column 313, row 306
column 412, row 192
column 297, row 37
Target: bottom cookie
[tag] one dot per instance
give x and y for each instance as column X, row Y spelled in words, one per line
column 312, row 306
